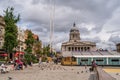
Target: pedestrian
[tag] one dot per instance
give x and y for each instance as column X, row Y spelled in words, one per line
column 40, row 61
column 94, row 65
column 80, row 63
column 3, row 68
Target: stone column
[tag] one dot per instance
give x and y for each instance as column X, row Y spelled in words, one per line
column 77, row 48
column 83, row 48
column 72, row 48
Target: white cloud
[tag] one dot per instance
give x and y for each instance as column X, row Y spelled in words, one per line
column 94, row 18
column 88, row 26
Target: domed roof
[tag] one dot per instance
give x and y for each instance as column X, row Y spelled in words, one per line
column 74, row 28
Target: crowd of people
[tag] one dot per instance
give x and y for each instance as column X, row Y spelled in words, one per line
column 20, row 64
column 17, row 64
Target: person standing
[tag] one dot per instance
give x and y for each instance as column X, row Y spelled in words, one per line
column 40, row 61
column 94, row 65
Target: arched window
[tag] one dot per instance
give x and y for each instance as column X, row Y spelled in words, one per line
column 75, row 48
column 69, row 48
column 72, row 48
column 78, row 48
column 73, row 36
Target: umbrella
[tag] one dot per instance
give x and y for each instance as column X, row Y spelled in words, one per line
column 19, row 53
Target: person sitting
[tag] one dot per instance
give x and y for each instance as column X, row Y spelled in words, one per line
column 3, row 68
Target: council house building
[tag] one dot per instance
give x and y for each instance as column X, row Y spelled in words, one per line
column 77, row 52
column 75, row 44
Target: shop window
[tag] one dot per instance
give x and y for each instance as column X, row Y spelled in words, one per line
column 73, row 59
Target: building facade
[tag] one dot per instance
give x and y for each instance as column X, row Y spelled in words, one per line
column 37, row 46
column 118, row 47
column 21, row 40
column 2, row 31
column 75, row 44
column 78, row 52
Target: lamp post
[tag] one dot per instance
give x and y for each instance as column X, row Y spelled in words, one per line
column 19, row 43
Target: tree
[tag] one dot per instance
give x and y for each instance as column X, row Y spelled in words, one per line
column 10, row 30
column 46, row 50
column 38, row 47
column 29, row 42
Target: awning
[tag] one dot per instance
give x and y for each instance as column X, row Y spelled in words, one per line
column 17, row 53
column 4, row 54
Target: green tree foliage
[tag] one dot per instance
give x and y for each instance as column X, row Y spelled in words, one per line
column 38, row 46
column 30, row 58
column 46, row 50
column 10, row 29
column 29, row 42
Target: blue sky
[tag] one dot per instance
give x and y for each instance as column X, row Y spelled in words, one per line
column 97, row 20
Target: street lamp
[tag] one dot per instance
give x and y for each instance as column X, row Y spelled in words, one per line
column 18, row 43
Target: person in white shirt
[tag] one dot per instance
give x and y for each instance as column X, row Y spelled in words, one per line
column 3, row 68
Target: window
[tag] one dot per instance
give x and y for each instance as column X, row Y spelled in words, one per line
column 99, row 60
column 69, row 48
column 84, row 59
column 75, row 48
column 0, row 38
column 73, row 36
column 115, row 60
column 81, row 48
column 88, row 48
column 78, row 48
column 67, row 59
column 0, row 31
column 73, row 59
column 85, row 48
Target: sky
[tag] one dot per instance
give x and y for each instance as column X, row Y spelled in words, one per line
column 97, row 20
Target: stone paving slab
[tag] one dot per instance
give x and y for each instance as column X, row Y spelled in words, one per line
column 49, row 72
